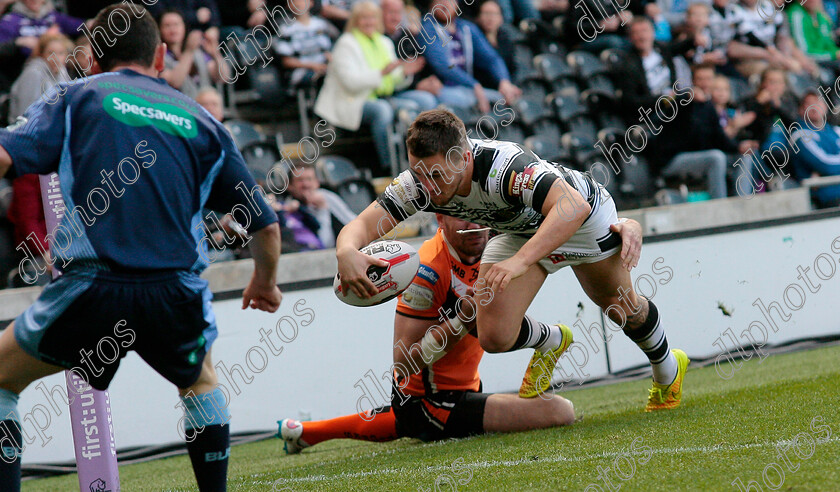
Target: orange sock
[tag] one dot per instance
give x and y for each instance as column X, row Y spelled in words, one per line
column 381, row 428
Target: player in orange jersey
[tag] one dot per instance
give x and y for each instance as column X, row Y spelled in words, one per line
column 437, row 388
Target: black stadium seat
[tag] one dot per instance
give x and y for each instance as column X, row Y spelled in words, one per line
column 553, row 67
column 534, row 88
column 613, row 59
column 567, row 105
column 531, row 110
column 511, row 133
column 602, row 84
column 260, row 157
column 244, row 133
column 545, row 147
column 333, row 170
column 357, row 194
column 585, row 64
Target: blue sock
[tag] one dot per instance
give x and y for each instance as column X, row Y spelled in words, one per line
column 209, row 444
column 10, row 442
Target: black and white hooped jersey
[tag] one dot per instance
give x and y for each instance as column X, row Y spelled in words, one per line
column 509, row 186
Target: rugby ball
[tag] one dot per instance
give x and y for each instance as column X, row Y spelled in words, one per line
column 403, row 262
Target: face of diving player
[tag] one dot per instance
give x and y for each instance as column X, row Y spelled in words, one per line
column 443, row 179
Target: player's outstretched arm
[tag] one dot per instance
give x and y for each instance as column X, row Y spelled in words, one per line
column 564, row 210
column 262, row 292
column 631, row 241
column 374, row 222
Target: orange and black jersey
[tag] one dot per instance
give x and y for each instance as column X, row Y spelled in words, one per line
column 441, row 280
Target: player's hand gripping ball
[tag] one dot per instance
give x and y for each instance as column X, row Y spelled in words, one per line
column 391, row 281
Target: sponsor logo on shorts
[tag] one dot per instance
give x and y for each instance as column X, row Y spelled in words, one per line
column 427, row 274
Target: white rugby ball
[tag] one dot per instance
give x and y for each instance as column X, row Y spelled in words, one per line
column 390, row 281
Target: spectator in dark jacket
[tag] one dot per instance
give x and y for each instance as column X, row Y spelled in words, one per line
column 648, row 71
column 455, row 49
column 498, row 34
column 403, row 27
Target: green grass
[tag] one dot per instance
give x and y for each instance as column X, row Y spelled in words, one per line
column 723, row 430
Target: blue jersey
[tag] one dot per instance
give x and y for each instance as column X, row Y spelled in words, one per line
column 138, row 162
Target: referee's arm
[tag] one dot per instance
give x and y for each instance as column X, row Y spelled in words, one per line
column 262, row 292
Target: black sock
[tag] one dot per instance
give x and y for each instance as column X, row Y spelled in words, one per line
column 209, row 453
column 650, row 337
column 10, row 451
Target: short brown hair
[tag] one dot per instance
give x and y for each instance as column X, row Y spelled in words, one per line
column 123, row 34
column 435, row 132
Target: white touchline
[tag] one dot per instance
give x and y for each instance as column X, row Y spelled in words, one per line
column 556, row 459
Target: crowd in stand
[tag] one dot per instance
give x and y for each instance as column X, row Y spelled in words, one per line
column 701, row 83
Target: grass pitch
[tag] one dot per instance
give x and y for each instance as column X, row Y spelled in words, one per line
column 724, row 430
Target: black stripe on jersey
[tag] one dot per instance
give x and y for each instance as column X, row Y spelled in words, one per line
column 392, row 208
column 542, row 189
column 482, row 163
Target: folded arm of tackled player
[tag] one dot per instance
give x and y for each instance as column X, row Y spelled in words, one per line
column 374, row 222
column 564, row 210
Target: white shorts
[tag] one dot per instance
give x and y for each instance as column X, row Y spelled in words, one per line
column 593, row 242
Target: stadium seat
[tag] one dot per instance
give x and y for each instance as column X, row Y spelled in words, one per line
column 357, row 194
column 333, row 170
column 585, row 64
column 545, row 147
column 260, row 157
column 612, row 59
column 597, row 101
column 244, row 133
column 567, row 105
column 266, row 83
column 602, row 84
column 530, row 110
column 540, row 36
column 523, row 56
column 533, row 88
column 511, row 133
column 610, row 124
column 565, row 84
column 553, row 67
